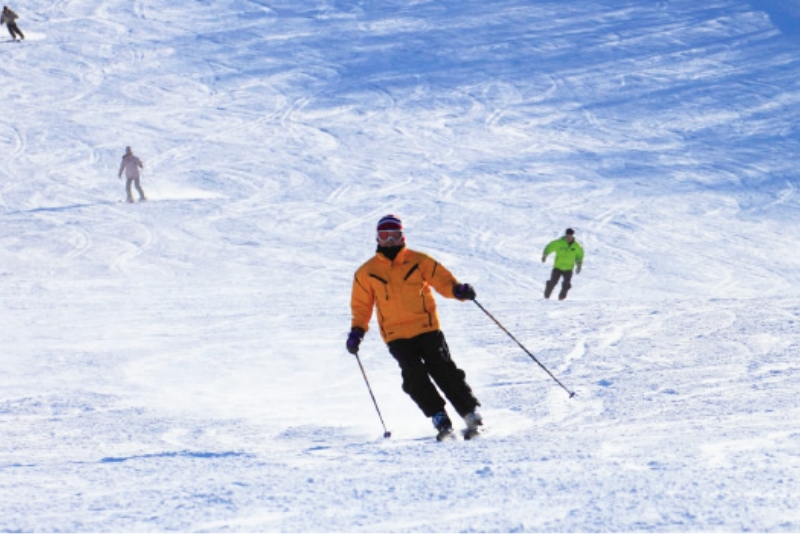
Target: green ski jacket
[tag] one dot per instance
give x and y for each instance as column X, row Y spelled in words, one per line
column 567, row 254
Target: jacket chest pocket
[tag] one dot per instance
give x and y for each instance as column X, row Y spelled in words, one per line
column 380, row 286
column 413, row 289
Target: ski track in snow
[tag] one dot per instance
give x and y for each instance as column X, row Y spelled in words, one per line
column 179, row 364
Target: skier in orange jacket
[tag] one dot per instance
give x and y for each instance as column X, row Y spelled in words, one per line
column 397, row 283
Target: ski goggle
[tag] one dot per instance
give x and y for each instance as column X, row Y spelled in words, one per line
column 390, row 235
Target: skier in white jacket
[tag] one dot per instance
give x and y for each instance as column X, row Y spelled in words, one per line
column 131, row 165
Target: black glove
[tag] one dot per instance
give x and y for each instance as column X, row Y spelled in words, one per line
column 578, row 269
column 354, row 339
column 463, row 292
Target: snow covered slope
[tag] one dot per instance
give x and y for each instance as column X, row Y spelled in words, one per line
column 179, row 364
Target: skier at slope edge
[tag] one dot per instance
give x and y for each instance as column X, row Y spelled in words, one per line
column 9, row 18
column 569, row 255
column 397, row 281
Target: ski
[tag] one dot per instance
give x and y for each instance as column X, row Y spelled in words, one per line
column 471, row 433
column 445, row 434
column 450, row 434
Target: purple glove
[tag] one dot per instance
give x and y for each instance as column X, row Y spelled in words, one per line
column 354, row 339
column 463, row 292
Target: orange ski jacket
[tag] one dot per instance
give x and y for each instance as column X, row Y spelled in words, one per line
column 401, row 292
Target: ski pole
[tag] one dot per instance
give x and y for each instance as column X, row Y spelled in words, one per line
column 571, row 393
column 386, row 433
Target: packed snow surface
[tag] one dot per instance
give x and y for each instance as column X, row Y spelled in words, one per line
column 179, row 364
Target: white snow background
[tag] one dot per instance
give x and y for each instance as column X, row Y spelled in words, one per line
column 180, row 364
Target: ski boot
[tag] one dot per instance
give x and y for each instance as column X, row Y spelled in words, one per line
column 443, row 424
column 474, row 421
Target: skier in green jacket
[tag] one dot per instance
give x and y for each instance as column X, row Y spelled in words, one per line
column 569, row 255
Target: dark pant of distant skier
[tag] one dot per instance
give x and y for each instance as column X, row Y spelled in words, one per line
column 12, row 29
column 553, row 282
column 427, row 357
column 134, row 181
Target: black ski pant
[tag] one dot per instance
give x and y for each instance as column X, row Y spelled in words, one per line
column 134, row 181
column 425, row 359
column 553, row 282
column 12, row 29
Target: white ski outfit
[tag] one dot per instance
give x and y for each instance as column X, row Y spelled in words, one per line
column 131, row 165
